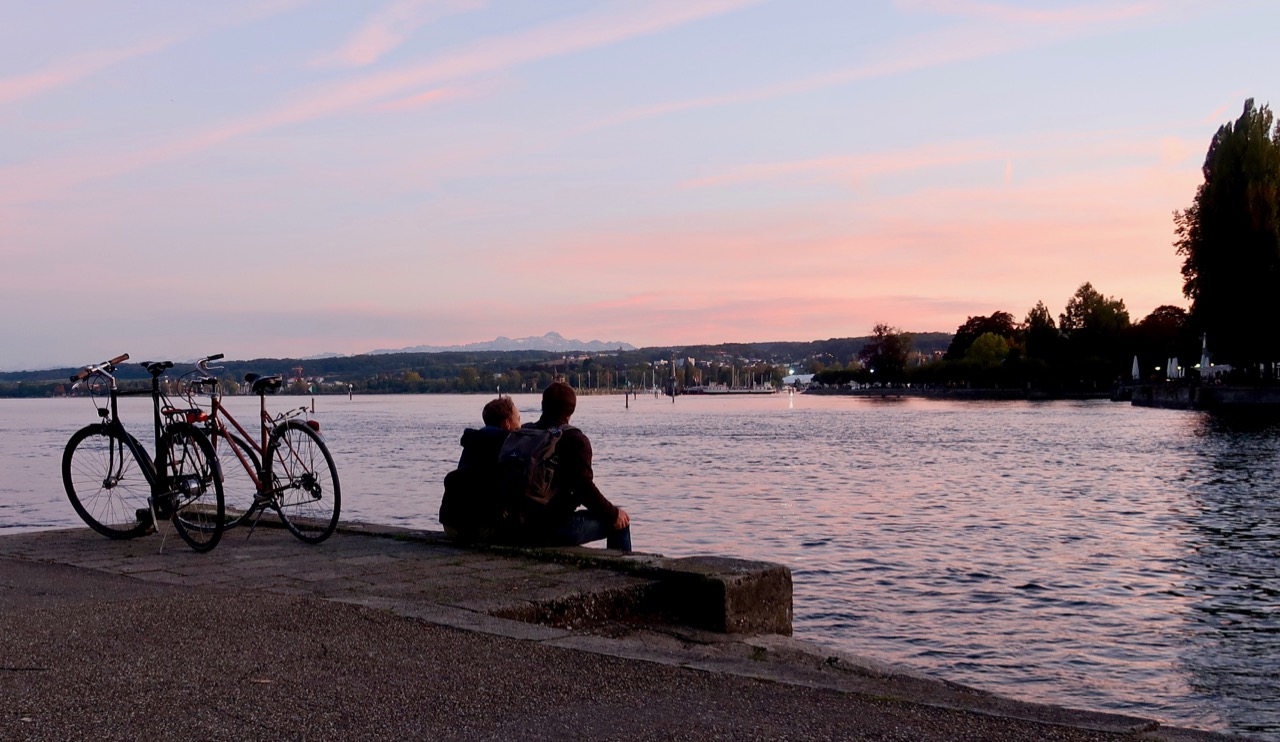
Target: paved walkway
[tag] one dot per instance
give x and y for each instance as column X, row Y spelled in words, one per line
column 386, row 634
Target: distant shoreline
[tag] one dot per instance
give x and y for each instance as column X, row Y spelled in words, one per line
column 963, row 394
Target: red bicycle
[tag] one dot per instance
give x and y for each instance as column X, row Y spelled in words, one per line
column 285, row 468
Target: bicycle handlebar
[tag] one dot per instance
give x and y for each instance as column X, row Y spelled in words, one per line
column 203, row 363
column 105, row 366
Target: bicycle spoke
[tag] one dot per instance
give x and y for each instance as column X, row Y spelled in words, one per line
column 304, row 481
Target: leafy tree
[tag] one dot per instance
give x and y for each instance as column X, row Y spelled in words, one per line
column 1090, row 313
column 1094, row 327
column 1230, row 241
column 989, row 349
column 887, row 353
column 999, row 323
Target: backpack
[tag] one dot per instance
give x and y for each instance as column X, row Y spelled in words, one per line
column 527, row 465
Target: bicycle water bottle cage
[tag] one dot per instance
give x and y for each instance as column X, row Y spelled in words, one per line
column 264, row 384
column 155, row 368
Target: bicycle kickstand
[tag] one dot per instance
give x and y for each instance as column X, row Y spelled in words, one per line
column 254, row 524
column 155, row 522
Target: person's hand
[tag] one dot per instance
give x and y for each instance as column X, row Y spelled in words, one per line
column 622, row 521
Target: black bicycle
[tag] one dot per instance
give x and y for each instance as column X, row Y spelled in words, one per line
column 116, row 487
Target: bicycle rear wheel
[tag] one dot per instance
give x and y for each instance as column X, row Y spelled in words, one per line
column 236, row 458
column 192, row 486
column 304, row 481
column 105, row 482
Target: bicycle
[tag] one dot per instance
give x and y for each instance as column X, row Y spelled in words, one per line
column 288, row 468
column 116, row 487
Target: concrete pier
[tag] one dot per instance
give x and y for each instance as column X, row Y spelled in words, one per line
column 384, row 633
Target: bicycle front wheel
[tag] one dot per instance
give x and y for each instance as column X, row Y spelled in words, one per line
column 239, row 464
column 106, row 483
column 192, row 486
column 304, row 481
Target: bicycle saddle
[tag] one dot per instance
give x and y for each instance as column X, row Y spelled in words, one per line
column 264, row 384
column 155, row 368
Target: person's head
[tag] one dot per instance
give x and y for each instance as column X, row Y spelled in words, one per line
column 558, row 402
column 501, row 413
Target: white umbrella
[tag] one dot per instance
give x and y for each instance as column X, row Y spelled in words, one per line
column 1135, row 367
column 1204, row 354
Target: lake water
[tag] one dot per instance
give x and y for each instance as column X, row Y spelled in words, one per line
column 1084, row 553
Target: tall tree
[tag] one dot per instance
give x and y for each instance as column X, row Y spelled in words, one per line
column 1230, row 241
column 1040, row 334
column 1088, row 312
column 887, row 353
column 1094, row 327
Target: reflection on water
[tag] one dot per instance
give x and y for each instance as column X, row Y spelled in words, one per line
column 1084, row 553
column 1233, row 572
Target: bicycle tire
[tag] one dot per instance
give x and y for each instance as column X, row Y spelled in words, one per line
column 105, row 482
column 304, row 480
column 189, row 474
column 239, row 491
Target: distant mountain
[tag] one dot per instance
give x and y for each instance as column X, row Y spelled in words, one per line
column 552, row 341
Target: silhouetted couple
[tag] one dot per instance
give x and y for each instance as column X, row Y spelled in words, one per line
column 483, row 498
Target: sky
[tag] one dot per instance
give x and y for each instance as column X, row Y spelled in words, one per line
column 285, row 178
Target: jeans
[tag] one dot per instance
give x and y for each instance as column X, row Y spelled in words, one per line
column 582, row 527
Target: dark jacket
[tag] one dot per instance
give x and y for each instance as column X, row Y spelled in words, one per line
column 471, row 493
column 574, row 481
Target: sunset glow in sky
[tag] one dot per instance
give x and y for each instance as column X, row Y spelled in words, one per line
column 294, row 177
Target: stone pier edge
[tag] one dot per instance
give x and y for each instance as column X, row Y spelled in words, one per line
column 721, row 594
column 724, row 637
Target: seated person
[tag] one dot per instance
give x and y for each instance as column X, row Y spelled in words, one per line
column 470, row 509
column 560, row 521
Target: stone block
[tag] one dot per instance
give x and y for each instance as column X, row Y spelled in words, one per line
column 733, row 596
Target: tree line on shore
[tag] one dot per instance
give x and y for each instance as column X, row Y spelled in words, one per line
column 1090, row 345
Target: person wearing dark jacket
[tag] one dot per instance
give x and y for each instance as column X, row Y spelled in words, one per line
column 470, row 509
column 560, row 521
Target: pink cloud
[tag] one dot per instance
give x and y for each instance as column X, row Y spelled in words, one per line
column 39, row 180
column 74, row 69
column 391, row 26
column 1062, row 150
column 875, row 163
column 418, row 100
column 1073, row 14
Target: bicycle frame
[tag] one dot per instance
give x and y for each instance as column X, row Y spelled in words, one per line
column 111, row 418
column 219, row 416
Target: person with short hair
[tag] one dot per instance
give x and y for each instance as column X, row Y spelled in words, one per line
column 578, row 512
column 470, row 509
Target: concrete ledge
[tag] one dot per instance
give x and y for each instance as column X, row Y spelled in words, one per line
column 734, row 596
